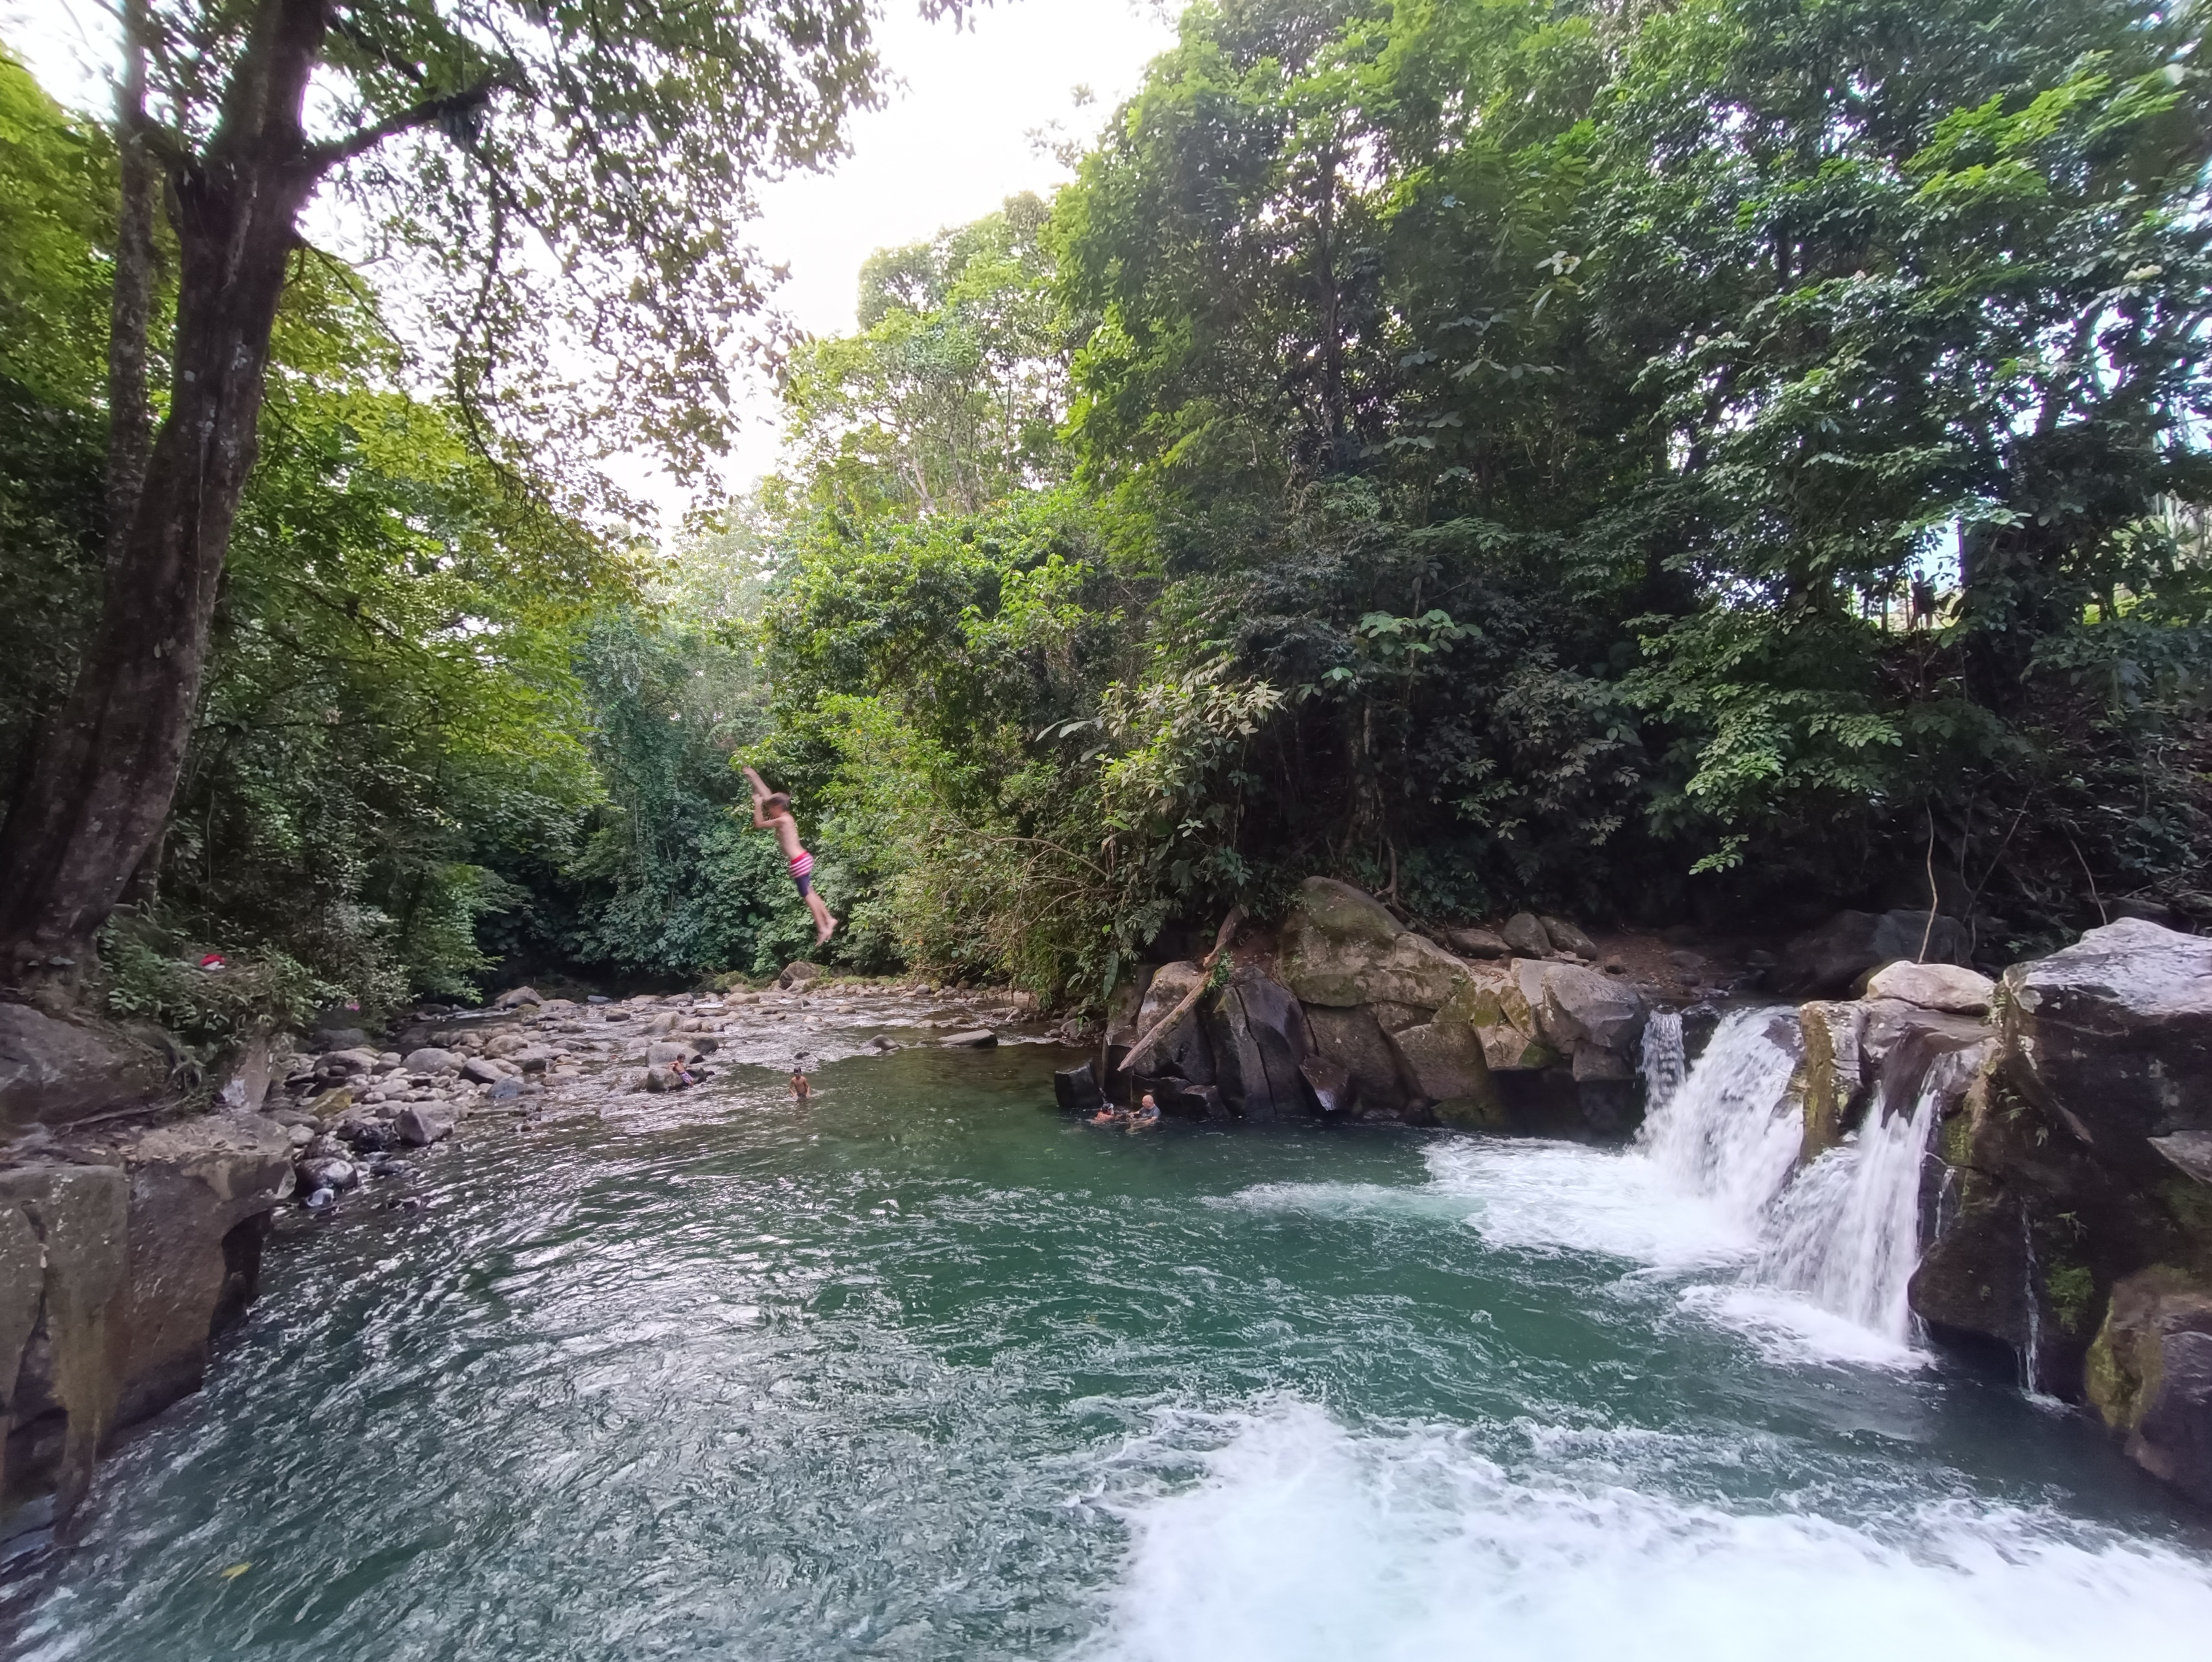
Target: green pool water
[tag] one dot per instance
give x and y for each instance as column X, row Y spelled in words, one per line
column 918, row 1369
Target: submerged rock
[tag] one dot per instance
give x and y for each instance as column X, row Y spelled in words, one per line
column 420, row 1124
column 974, row 1039
column 1076, row 1090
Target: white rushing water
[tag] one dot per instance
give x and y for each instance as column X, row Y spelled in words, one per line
column 1729, row 1132
column 1306, row 1540
column 1665, row 1064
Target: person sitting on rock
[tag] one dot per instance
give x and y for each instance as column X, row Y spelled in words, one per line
column 801, row 1088
column 772, row 811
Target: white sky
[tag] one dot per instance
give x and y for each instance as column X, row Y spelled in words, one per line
column 952, row 144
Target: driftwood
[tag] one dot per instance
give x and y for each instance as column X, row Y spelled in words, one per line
column 1161, row 1028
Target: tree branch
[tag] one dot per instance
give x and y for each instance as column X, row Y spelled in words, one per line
column 1161, row 1028
column 429, row 112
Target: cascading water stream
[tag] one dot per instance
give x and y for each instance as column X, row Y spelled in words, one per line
column 1728, row 1132
column 1844, row 1232
column 1665, row 1064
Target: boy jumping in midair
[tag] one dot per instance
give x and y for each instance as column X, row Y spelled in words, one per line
column 772, row 811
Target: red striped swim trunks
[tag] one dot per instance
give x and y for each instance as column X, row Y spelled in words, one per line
column 802, row 872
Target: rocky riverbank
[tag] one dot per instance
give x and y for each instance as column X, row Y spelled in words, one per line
column 131, row 1231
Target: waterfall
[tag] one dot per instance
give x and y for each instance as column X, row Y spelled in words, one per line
column 1664, row 1066
column 1846, row 1233
column 2031, row 1380
column 1843, row 1232
column 1729, row 1131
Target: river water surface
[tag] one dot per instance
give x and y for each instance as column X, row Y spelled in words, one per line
column 920, row 1370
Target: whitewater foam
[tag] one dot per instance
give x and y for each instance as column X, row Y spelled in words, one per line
column 1302, row 1539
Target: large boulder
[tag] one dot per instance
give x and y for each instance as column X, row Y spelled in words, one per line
column 2150, row 1375
column 1182, row 1050
column 64, row 1270
column 1445, row 1059
column 1826, row 962
column 54, row 1073
column 1340, row 948
column 1934, row 987
column 202, row 1191
column 1076, row 1090
column 1578, row 1009
column 2114, row 1034
column 1525, row 934
column 1355, row 1041
column 1331, row 1084
column 1492, row 1002
column 1258, row 1034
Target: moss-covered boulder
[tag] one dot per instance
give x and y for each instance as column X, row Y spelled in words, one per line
column 2150, row 1374
column 1342, row 948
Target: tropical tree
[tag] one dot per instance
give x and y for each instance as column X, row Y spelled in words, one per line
column 557, row 164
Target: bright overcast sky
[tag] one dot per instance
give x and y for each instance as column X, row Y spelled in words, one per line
column 952, row 144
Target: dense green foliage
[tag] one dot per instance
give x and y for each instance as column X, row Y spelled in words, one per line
column 1507, row 440
column 1724, row 460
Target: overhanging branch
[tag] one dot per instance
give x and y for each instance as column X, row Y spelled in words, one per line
column 446, row 112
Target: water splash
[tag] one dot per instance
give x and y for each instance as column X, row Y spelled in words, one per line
column 1730, row 1132
column 1665, row 1064
column 1846, row 1233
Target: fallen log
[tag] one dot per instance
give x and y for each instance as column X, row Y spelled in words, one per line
column 1165, row 1025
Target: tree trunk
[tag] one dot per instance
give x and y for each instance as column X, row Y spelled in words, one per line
column 129, row 416
column 106, row 770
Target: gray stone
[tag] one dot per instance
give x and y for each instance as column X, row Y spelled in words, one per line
column 799, row 973
column 346, row 1065
column 330, row 1172
column 505, row 1091
column 1355, row 1040
column 663, row 1052
column 343, row 1038
column 2115, row 1034
column 1566, row 938
column 476, row 1070
column 431, row 1059
column 1525, row 934
column 1259, row 1036
column 2150, row 1376
column 2188, row 1152
column 516, row 997
column 973, row 1039
column 1946, row 987
column 1826, row 962
column 1330, row 1082
column 1445, row 1059
column 1471, row 942
column 422, row 1123
column 1577, row 1008
column 53, row 1073
column 1183, row 1049
column 1076, row 1090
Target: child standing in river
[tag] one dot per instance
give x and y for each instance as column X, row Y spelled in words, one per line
column 772, row 811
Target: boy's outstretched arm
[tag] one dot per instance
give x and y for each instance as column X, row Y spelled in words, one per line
column 760, row 792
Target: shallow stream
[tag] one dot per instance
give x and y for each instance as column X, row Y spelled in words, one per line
column 920, row 1370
